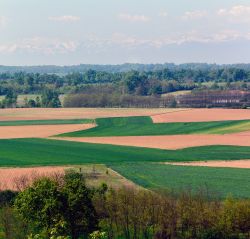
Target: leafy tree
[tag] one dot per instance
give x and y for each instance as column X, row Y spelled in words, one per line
column 7, row 197
column 59, row 210
column 80, row 214
column 50, row 99
column 10, row 99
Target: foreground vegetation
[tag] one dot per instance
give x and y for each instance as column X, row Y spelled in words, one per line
column 63, row 207
column 159, row 177
column 141, row 126
column 28, row 152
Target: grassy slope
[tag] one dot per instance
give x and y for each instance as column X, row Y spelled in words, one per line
column 45, row 122
column 28, row 152
column 222, row 181
column 140, row 126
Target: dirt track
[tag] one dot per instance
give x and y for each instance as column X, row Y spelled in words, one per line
column 170, row 141
column 75, row 113
column 202, row 115
column 39, row 131
column 218, row 164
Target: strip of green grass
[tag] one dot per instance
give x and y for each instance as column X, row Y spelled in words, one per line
column 141, row 126
column 221, row 181
column 45, row 122
column 28, row 152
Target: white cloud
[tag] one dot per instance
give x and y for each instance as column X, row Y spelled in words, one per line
column 125, row 40
column 3, row 21
column 95, row 44
column 40, row 45
column 163, row 14
column 175, row 39
column 66, row 18
column 238, row 13
column 192, row 15
column 134, row 18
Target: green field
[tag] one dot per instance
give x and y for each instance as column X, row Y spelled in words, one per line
column 219, row 181
column 28, row 152
column 46, row 122
column 136, row 163
column 141, row 126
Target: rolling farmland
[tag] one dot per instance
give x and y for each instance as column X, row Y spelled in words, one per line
column 155, row 143
column 142, row 126
column 44, row 152
column 220, row 182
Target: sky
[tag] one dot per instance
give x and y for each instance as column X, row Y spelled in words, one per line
column 69, row 32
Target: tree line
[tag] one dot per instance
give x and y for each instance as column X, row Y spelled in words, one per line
column 132, row 86
column 52, row 69
column 48, row 99
column 64, row 207
column 196, row 99
column 140, row 83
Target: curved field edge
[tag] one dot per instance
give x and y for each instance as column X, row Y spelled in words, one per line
column 144, row 126
column 47, row 152
column 46, row 122
column 221, row 182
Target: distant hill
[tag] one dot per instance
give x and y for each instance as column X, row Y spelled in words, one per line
column 53, row 69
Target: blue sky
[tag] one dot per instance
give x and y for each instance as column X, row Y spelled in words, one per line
column 67, row 32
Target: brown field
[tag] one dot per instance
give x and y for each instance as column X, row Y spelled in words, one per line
column 202, row 115
column 75, row 113
column 169, row 141
column 217, row 164
column 39, row 131
column 19, row 178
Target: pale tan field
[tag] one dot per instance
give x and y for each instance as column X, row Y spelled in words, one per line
column 19, row 178
column 217, row 164
column 202, row 115
column 169, row 141
column 39, row 131
column 75, row 113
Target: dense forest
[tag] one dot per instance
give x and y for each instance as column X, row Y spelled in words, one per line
column 119, row 86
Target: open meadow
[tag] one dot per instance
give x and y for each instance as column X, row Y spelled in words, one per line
column 135, row 143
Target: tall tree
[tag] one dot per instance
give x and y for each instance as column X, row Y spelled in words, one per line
column 59, row 210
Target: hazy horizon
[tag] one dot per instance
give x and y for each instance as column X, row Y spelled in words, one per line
column 35, row 32
column 107, row 64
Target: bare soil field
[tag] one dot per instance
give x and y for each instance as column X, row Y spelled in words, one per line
column 169, row 141
column 75, row 113
column 39, row 131
column 217, row 164
column 202, row 115
column 19, row 178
